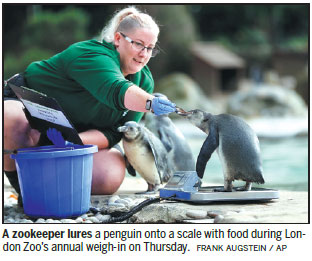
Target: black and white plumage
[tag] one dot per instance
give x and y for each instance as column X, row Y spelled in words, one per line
column 146, row 154
column 236, row 143
column 179, row 151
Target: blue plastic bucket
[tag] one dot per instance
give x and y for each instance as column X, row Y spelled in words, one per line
column 55, row 182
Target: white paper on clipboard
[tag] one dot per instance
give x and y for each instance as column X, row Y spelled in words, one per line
column 46, row 113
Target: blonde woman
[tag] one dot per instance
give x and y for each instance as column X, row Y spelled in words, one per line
column 100, row 85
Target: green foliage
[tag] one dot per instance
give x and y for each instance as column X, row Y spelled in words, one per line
column 45, row 34
column 296, row 43
column 177, row 32
column 246, row 41
column 56, row 31
column 251, row 36
column 251, row 30
column 278, row 22
column 254, row 30
column 14, row 64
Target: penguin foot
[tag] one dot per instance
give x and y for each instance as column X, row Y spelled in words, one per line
column 147, row 192
column 228, row 187
column 222, row 189
column 247, row 187
column 240, row 189
column 151, row 189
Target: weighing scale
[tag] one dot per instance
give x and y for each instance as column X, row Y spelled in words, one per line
column 186, row 186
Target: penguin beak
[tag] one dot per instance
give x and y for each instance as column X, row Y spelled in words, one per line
column 122, row 129
column 182, row 112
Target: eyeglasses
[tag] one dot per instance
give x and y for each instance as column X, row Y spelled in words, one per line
column 140, row 47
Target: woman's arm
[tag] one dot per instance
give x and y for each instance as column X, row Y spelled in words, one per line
column 135, row 99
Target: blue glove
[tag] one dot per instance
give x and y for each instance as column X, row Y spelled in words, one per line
column 162, row 106
column 57, row 139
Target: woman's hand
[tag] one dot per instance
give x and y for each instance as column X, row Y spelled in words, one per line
column 136, row 98
column 162, row 106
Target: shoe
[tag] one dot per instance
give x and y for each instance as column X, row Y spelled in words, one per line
column 13, row 179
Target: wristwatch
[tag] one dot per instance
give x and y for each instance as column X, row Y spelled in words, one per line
column 148, row 105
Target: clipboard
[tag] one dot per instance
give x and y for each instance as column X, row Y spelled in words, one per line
column 44, row 112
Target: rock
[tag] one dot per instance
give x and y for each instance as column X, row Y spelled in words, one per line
column 19, row 216
column 40, row 220
column 84, row 216
column 267, row 101
column 280, row 127
column 235, row 217
column 213, row 213
column 197, row 214
column 103, row 218
column 113, row 199
column 12, row 211
column 156, row 213
column 79, row 220
column 67, row 220
column 176, row 213
column 199, row 221
column 24, row 220
column 49, row 220
column 218, row 219
column 94, row 219
column 9, row 220
column 186, row 93
column 127, row 202
column 117, row 205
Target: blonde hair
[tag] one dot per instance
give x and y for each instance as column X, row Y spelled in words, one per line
column 126, row 20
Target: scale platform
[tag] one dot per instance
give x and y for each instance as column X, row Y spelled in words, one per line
column 186, row 186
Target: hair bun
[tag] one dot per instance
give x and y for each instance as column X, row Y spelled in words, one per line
column 139, row 19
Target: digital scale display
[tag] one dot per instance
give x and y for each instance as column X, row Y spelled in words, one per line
column 175, row 180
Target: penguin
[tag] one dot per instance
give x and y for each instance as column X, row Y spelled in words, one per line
column 179, row 151
column 146, row 154
column 237, row 146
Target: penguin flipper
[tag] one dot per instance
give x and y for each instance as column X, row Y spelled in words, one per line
column 159, row 156
column 165, row 139
column 129, row 167
column 208, row 147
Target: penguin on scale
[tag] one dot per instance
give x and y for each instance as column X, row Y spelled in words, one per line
column 237, row 146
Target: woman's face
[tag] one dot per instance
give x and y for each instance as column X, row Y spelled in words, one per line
column 133, row 60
